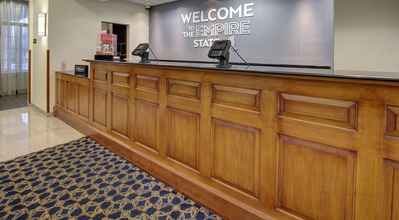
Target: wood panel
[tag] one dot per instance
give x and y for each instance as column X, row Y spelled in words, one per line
column 392, row 123
column 268, row 146
column 240, row 116
column 183, row 88
column 146, row 124
column 120, row 107
column 83, row 94
column 65, row 95
column 60, row 93
column 315, row 181
column 100, row 75
column 190, row 105
column 235, row 152
column 147, row 83
column 73, row 94
column 120, row 79
column 391, row 126
column 183, row 137
column 304, row 129
column 120, row 114
column 100, row 106
column 236, row 97
column 324, row 111
column 391, row 190
column 70, row 93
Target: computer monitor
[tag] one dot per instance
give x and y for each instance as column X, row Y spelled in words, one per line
column 142, row 52
column 220, row 50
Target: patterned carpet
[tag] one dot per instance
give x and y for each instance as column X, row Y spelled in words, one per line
column 83, row 180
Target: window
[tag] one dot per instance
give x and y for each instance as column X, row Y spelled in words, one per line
column 14, row 36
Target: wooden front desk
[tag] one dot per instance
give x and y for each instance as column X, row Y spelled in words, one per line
column 249, row 146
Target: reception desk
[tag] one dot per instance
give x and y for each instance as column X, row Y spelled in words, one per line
column 250, row 143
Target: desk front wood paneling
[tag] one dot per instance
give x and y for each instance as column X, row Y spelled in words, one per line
column 304, row 148
column 73, row 95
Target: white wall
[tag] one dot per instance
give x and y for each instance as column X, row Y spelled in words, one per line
column 74, row 26
column 39, row 51
column 367, row 35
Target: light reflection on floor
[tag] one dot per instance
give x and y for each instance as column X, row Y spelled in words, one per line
column 26, row 130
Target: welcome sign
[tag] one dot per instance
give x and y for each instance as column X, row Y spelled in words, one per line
column 288, row 32
column 207, row 26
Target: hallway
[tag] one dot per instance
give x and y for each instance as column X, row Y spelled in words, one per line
column 13, row 101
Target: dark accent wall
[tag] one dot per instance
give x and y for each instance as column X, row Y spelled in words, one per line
column 291, row 32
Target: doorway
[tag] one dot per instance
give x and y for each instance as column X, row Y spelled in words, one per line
column 14, row 47
column 121, row 32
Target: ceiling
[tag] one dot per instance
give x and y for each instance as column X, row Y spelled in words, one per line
column 151, row 2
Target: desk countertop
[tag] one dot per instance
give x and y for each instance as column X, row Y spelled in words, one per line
column 364, row 75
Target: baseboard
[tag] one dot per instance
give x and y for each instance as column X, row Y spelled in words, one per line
column 37, row 108
column 186, row 183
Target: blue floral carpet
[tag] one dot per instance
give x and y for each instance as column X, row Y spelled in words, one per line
column 84, row 180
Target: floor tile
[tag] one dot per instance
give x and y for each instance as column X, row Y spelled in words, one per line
column 26, row 130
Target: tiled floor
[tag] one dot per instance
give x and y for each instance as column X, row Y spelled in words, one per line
column 26, row 130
